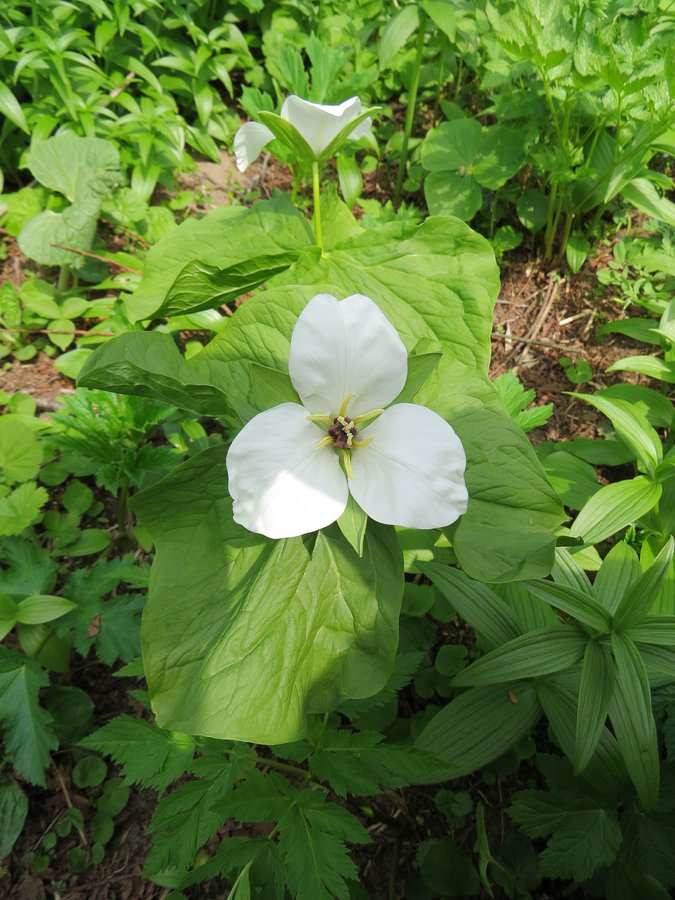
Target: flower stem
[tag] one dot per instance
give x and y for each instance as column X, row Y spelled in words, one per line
column 410, row 112
column 317, row 205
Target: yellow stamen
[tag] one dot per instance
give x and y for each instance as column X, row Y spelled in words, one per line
column 345, row 404
column 348, row 463
column 368, row 415
column 317, row 417
column 357, row 444
column 324, row 442
column 348, row 428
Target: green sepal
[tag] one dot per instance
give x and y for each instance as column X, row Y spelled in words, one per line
column 343, row 134
column 287, row 134
column 352, row 523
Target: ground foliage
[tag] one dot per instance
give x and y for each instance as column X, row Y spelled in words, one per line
column 518, row 739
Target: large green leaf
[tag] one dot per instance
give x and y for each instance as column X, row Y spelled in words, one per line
column 436, row 284
column 25, row 725
column 630, row 712
column 478, row 726
column 595, row 692
column 614, row 506
column 540, row 652
column 225, row 236
column 76, row 167
column 244, row 636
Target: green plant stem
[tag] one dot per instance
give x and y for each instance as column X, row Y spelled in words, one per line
column 318, row 235
column 410, row 112
column 64, row 279
column 441, row 73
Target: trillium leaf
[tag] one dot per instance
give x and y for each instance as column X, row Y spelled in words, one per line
column 242, row 636
column 224, row 237
column 201, row 286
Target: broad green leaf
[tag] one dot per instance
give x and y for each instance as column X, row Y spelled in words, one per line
column 631, row 426
column 42, row 608
column 653, row 630
column 149, row 364
column 530, row 655
column 619, row 569
column 27, row 735
column 75, row 227
column 200, row 286
column 442, row 14
column 642, row 194
column 500, row 156
column 606, row 771
column 77, row 167
column 613, row 507
column 21, row 507
column 647, row 365
column 11, row 108
column 567, row 571
column 20, row 452
column 272, row 387
column 630, row 712
column 224, row 237
column 478, row 726
column 435, row 282
column 641, row 594
column 452, row 194
column 485, row 612
column 452, row 146
column 303, row 613
column 396, row 32
column 13, row 810
column 595, row 692
column 578, row 604
column 574, row 480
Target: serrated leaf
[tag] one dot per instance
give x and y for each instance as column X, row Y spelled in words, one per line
column 585, row 841
column 26, row 726
column 187, row 817
column 21, row 507
column 13, row 810
column 149, row 756
column 20, row 452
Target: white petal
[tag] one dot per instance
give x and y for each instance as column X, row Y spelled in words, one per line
column 361, row 129
column 412, row 474
column 249, row 141
column 319, row 123
column 282, row 486
column 340, row 347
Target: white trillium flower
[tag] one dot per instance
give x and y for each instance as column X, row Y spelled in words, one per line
column 317, row 123
column 291, row 468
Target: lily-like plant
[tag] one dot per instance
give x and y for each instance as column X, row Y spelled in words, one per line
column 313, row 131
column 291, row 468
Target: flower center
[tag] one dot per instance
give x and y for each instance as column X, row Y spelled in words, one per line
column 342, row 431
